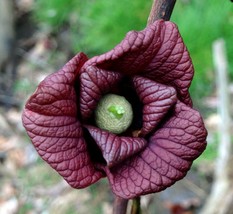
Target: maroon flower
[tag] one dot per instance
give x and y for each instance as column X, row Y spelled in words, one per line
column 153, row 71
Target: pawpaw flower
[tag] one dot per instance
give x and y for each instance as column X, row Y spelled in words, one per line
column 126, row 115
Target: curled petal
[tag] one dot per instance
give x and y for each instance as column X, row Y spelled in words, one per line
column 115, row 149
column 94, row 83
column 166, row 159
column 157, row 52
column 172, row 64
column 50, row 118
column 157, row 99
column 134, row 53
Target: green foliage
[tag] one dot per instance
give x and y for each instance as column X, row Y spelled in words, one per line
column 26, row 208
column 53, row 13
column 104, row 23
column 97, row 26
column 200, row 23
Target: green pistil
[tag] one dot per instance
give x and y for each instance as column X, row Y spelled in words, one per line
column 114, row 114
column 116, row 111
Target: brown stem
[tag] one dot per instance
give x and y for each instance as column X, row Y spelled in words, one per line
column 136, row 209
column 120, row 205
column 161, row 9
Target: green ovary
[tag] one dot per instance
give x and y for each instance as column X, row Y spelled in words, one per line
column 114, row 114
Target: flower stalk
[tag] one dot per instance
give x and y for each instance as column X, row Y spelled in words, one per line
column 161, row 9
column 136, row 206
column 120, row 205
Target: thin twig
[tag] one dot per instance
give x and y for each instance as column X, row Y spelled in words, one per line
column 120, row 205
column 136, row 206
column 161, row 9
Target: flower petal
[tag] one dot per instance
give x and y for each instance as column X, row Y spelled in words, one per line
column 166, row 159
column 114, row 148
column 157, row 99
column 50, row 118
column 172, row 64
column 94, row 83
column 157, row 52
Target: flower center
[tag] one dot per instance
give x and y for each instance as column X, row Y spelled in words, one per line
column 113, row 113
column 116, row 111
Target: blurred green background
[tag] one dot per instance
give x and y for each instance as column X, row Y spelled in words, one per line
column 98, row 25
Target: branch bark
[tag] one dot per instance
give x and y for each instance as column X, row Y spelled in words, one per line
column 161, row 9
column 120, row 205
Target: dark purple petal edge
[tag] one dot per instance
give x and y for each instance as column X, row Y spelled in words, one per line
column 50, row 118
column 167, row 158
column 116, row 149
column 157, row 52
column 94, row 83
column 157, row 99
